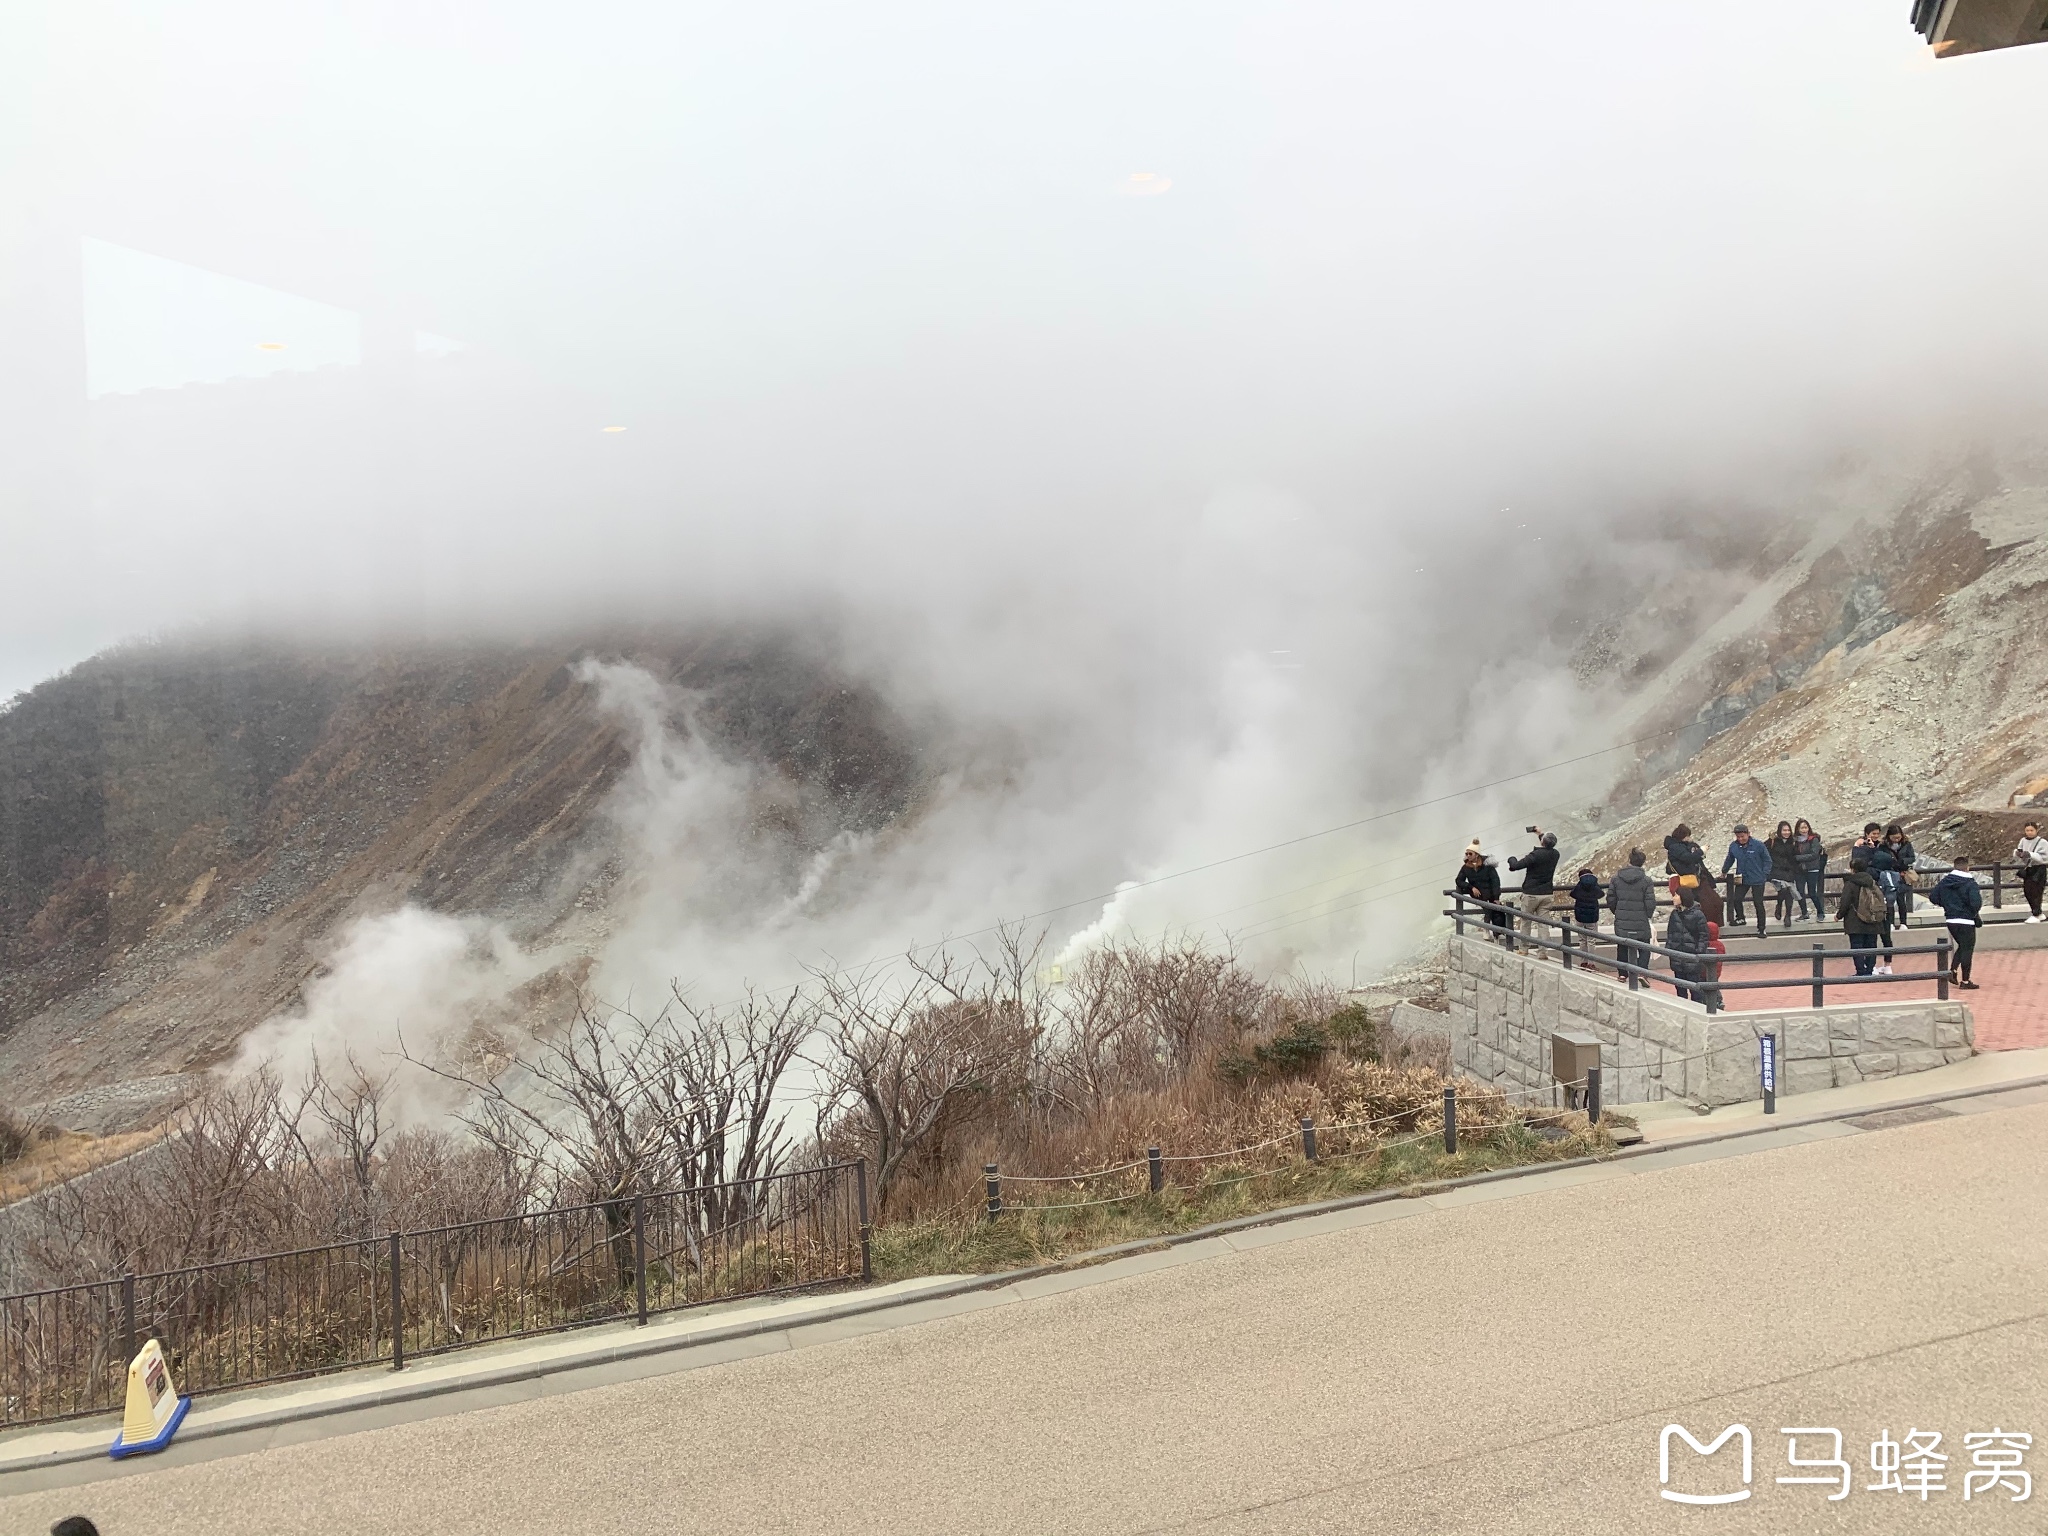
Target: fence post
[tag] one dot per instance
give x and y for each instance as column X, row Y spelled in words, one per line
column 128, row 1340
column 1450, row 1121
column 1155, row 1169
column 1565, row 954
column 1998, row 885
column 1593, row 1095
column 867, row 1232
column 1943, row 960
column 1820, row 983
column 992, row 1182
column 640, row 1256
column 1769, row 1047
column 1458, row 912
column 1308, row 1138
column 397, row 1309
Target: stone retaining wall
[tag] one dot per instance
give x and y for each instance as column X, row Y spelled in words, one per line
column 1504, row 1008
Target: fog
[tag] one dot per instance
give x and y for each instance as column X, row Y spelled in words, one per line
column 1193, row 414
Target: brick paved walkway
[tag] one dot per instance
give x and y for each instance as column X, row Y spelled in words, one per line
column 2010, row 1004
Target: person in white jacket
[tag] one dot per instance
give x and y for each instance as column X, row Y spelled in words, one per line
column 2032, row 857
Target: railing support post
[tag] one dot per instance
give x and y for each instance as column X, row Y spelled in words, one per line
column 867, row 1231
column 1565, row 953
column 1450, row 1121
column 1943, row 960
column 1458, row 913
column 397, row 1308
column 1998, row 885
column 129, row 1343
column 1155, row 1169
column 1593, row 1095
column 1308, row 1138
column 640, row 1256
column 992, row 1184
column 1820, row 984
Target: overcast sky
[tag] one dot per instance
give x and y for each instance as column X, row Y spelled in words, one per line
column 880, row 276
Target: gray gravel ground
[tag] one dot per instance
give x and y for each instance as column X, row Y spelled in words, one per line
column 1503, row 1366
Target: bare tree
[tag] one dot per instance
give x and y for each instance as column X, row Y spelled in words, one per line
column 912, row 1050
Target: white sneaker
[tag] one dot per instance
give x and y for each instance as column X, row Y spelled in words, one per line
column 2033, row 919
column 1882, row 970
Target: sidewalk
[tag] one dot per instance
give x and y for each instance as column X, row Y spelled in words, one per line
column 1672, row 1120
column 234, row 1422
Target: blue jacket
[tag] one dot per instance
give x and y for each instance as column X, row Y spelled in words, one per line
column 1751, row 862
column 1960, row 898
column 1586, row 900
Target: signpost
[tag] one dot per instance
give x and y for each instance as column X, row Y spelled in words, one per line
column 1770, row 1073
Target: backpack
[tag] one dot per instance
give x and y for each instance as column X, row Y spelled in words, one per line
column 1870, row 905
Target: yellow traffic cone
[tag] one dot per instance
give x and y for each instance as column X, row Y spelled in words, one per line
column 154, row 1408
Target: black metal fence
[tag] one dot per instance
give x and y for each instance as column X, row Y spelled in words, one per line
column 1701, row 977
column 2005, row 880
column 64, row 1353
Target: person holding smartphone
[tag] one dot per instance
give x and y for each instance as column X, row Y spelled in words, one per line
column 1539, row 879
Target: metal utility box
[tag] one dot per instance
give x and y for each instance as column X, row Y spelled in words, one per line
column 1572, row 1054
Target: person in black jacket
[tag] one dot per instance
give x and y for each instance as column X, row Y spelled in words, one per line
column 1480, row 881
column 1962, row 902
column 1586, row 900
column 1811, row 855
column 1900, row 847
column 1889, row 874
column 1539, row 879
column 1861, row 912
column 1682, row 856
column 1632, row 898
column 1784, row 871
column 1685, row 934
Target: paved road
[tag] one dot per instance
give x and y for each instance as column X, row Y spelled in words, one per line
column 1503, row 1364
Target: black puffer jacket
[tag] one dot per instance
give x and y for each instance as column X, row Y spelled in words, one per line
column 1784, row 859
column 1810, row 853
column 1481, row 884
column 1632, row 898
column 1845, row 911
column 1683, row 858
column 1686, row 932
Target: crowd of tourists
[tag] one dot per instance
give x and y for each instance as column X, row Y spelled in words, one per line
column 1780, row 878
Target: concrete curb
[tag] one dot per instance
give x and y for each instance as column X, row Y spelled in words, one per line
column 401, row 1392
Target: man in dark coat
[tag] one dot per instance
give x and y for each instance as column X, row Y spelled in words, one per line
column 1862, row 913
column 1962, row 903
column 1749, row 862
column 1632, row 898
column 1539, row 879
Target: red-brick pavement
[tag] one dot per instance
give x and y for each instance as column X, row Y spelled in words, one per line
column 2010, row 1005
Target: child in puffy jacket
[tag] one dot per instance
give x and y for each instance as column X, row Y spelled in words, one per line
column 1586, row 900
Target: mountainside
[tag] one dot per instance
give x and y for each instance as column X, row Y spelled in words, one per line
column 183, row 827
column 1896, row 669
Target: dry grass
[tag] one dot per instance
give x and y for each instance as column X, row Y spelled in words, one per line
column 1036, row 1232
column 50, row 1156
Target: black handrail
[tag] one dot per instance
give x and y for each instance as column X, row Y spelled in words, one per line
column 1591, row 959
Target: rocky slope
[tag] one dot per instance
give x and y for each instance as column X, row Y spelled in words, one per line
column 184, row 827
column 1897, row 671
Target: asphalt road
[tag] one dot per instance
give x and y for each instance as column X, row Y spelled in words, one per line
column 1504, row 1365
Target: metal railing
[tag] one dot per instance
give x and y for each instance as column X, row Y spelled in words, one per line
column 64, row 1352
column 2005, row 878
column 1701, row 976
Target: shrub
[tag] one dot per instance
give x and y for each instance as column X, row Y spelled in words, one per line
column 1352, row 1031
column 15, row 1136
column 1296, row 1052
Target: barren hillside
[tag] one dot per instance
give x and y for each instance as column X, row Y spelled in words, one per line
column 1901, row 674
column 183, row 827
